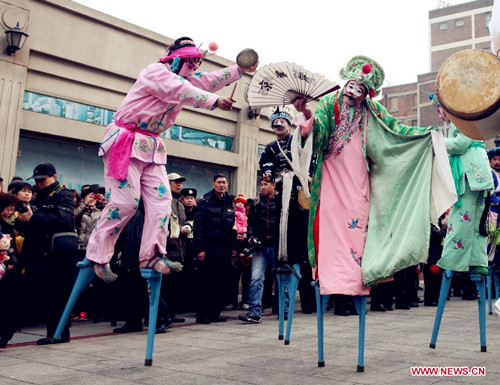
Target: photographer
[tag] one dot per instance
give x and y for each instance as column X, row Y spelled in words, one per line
column 263, row 233
column 49, row 260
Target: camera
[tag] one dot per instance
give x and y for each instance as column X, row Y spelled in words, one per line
column 253, row 245
column 21, row 207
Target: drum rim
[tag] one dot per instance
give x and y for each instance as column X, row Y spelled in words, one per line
column 462, row 115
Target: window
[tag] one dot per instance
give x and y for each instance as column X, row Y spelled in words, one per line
column 82, row 112
column 202, row 138
column 394, row 104
column 67, row 109
column 443, row 26
column 459, row 22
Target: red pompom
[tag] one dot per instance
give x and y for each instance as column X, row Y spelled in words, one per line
column 435, row 269
column 371, row 93
column 367, row 68
column 213, row 46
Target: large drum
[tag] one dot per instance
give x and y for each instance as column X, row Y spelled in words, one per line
column 468, row 88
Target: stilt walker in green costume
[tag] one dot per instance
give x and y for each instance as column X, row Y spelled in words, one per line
column 464, row 249
column 371, row 190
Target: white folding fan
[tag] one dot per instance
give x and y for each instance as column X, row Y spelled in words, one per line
column 278, row 84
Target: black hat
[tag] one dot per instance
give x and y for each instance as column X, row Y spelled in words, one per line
column 189, row 192
column 493, row 152
column 43, row 170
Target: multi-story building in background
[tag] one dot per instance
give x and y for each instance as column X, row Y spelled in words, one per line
column 453, row 28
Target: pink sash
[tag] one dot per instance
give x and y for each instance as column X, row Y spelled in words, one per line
column 119, row 157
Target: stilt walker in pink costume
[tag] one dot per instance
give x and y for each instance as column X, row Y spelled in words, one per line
column 370, row 204
column 135, row 157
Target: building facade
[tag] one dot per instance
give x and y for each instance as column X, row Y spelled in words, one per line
column 452, row 29
column 59, row 92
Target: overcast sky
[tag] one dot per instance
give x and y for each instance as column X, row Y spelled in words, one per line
column 320, row 35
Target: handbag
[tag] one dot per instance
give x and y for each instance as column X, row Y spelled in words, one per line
column 65, row 242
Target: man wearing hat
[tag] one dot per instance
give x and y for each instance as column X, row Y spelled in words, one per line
column 135, row 156
column 47, row 280
column 173, row 287
column 370, row 167
column 277, row 164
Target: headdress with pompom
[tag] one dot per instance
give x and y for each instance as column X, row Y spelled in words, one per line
column 281, row 112
column 364, row 71
column 187, row 49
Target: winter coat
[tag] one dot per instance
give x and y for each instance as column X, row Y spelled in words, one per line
column 87, row 217
column 176, row 242
column 263, row 220
column 53, row 211
column 241, row 220
column 213, row 226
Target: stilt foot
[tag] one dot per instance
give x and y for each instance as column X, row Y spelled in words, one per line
column 361, row 368
column 321, row 364
column 148, row 362
column 287, row 342
column 483, row 348
column 432, row 346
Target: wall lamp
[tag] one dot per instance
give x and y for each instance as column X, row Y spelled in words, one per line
column 15, row 40
column 253, row 113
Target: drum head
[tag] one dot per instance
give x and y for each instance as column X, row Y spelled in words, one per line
column 303, row 201
column 247, row 58
column 468, row 84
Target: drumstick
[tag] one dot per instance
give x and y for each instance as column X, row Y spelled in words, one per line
column 232, row 93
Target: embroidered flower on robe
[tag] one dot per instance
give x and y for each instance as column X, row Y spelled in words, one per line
column 163, row 221
column 465, row 217
column 162, row 190
column 114, row 214
column 115, row 231
column 356, row 258
column 123, row 184
column 459, row 244
column 145, row 144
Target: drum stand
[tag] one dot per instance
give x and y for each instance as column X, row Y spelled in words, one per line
column 443, row 295
column 360, row 303
column 495, row 275
column 288, row 280
column 85, row 276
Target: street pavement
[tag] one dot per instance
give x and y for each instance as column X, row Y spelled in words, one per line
column 237, row 353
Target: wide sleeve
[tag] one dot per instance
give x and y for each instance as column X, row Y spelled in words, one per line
column 173, row 89
column 394, row 124
column 216, row 80
column 457, row 143
column 324, row 122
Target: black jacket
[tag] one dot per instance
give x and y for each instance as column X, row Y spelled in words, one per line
column 53, row 212
column 263, row 220
column 213, row 225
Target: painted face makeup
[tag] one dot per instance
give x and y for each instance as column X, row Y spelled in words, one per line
column 280, row 125
column 354, row 93
column 190, row 66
